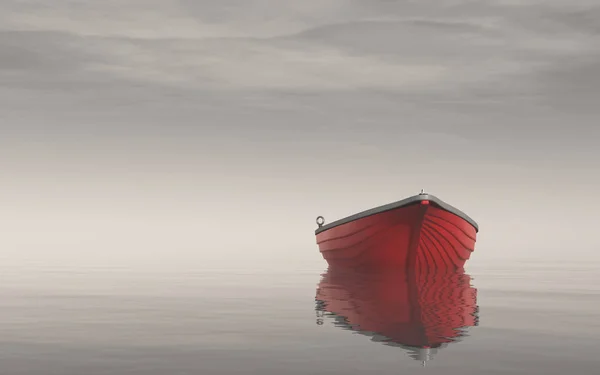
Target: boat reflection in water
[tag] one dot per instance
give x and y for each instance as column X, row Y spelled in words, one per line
column 419, row 311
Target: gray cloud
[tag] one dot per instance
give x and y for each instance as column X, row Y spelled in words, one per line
column 451, row 51
column 332, row 45
column 140, row 61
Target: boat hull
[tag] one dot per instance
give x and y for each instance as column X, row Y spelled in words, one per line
column 423, row 233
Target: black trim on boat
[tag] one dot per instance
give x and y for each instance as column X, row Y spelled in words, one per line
column 404, row 202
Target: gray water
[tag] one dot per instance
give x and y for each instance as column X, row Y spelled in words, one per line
column 533, row 318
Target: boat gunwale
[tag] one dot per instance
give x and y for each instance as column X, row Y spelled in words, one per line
column 399, row 204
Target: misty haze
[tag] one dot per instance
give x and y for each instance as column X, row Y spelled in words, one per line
column 162, row 163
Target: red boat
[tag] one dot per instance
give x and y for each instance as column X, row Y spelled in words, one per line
column 421, row 312
column 419, row 232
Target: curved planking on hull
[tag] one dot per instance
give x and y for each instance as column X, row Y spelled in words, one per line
column 420, row 311
column 418, row 232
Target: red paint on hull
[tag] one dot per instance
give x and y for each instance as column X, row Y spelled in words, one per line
column 420, row 311
column 421, row 235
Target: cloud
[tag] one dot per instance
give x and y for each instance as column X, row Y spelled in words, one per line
column 158, row 19
column 241, row 63
column 464, row 50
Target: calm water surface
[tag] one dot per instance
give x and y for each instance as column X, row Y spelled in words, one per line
column 499, row 318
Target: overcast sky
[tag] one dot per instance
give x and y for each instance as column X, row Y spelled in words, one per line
column 196, row 110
